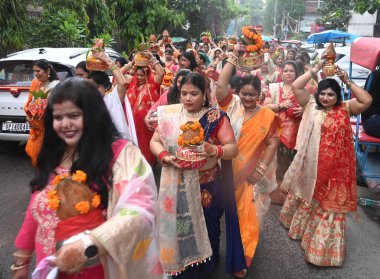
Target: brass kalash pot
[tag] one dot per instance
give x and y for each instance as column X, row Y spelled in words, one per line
column 328, row 67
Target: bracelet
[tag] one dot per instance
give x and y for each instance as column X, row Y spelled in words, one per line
column 262, row 166
column 113, row 67
column 232, row 59
column 153, row 61
column 312, row 73
column 21, row 255
column 220, row 152
column 349, row 83
column 259, row 170
column 162, row 155
column 15, row 267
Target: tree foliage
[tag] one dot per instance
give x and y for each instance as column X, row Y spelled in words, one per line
column 362, row 6
column 206, row 15
column 335, row 14
column 12, row 21
column 276, row 12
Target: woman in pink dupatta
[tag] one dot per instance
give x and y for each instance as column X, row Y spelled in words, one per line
column 80, row 136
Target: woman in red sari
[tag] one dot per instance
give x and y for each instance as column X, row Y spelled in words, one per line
column 283, row 102
column 322, row 174
column 143, row 92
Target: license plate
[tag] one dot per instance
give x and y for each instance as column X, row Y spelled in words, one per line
column 15, row 127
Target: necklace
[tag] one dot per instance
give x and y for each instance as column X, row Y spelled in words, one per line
column 253, row 113
column 285, row 93
column 194, row 114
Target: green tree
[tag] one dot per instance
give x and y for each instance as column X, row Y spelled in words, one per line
column 362, row 6
column 134, row 19
column 206, row 15
column 335, row 14
column 13, row 18
column 279, row 13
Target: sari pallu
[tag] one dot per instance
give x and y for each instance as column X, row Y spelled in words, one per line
column 183, row 229
column 141, row 99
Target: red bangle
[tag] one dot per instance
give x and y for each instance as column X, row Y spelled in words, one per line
column 220, row 151
column 162, row 155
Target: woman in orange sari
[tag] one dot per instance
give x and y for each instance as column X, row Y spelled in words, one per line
column 322, row 174
column 46, row 79
column 256, row 128
column 143, row 92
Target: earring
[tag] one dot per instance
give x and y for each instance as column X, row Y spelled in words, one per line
column 48, row 75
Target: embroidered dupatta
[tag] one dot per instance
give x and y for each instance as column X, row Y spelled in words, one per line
column 183, row 234
column 182, row 227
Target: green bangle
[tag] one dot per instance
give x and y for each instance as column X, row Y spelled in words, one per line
column 349, row 83
column 113, row 68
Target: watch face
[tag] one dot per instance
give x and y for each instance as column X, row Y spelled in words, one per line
column 91, row 251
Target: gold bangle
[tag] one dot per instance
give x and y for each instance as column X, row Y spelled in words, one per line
column 15, row 267
column 21, row 255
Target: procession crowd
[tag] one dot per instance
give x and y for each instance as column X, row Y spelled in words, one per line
column 230, row 127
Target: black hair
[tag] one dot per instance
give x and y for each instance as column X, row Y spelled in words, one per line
column 100, row 78
column 300, row 58
column 45, row 65
column 300, row 67
column 82, row 65
column 173, row 94
column 328, row 83
column 306, row 55
column 252, row 80
column 159, row 59
column 202, row 57
column 234, row 82
column 94, row 149
column 169, row 50
column 121, row 60
column 198, row 81
column 292, row 63
column 291, row 50
column 189, row 55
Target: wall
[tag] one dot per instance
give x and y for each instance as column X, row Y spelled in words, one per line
column 362, row 24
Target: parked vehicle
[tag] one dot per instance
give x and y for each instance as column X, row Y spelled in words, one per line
column 16, row 74
column 366, row 52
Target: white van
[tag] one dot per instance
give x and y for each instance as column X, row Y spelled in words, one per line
column 16, row 74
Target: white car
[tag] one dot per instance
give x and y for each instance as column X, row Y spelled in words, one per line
column 16, row 74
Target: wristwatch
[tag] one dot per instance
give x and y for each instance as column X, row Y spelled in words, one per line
column 90, row 249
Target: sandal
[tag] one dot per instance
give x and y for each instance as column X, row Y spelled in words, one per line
column 241, row 273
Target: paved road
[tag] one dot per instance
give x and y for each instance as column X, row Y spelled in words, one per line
column 277, row 256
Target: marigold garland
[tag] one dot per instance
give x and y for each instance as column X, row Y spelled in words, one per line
column 253, row 35
column 191, row 127
column 82, row 207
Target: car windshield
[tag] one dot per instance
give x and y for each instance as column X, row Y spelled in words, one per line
column 16, row 74
column 20, row 73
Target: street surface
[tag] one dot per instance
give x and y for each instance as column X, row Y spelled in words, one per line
column 276, row 257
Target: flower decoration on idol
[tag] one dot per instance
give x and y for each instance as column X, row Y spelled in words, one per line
column 206, row 37
column 71, row 196
column 190, row 144
column 254, row 43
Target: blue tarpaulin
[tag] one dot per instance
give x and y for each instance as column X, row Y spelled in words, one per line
column 331, row 36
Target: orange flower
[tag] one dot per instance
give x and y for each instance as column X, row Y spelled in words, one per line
column 95, row 201
column 52, row 194
column 79, row 176
column 82, row 207
column 56, row 180
column 53, row 204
